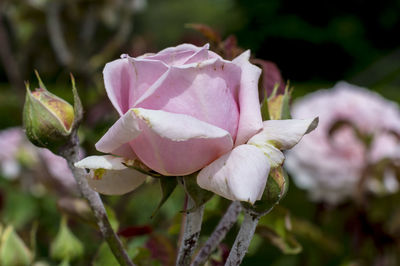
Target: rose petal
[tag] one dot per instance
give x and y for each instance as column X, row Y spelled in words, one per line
column 250, row 121
column 128, row 78
column 109, row 176
column 125, row 151
column 283, row 134
column 179, row 55
column 122, row 132
column 199, row 56
column 171, row 144
column 107, row 162
column 176, row 144
column 274, row 155
column 238, row 175
column 207, row 91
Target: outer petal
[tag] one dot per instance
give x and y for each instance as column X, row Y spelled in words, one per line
column 125, row 151
column 127, row 79
column 171, row 144
column 250, row 121
column 181, row 54
column 109, row 176
column 176, row 144
column 283, row 134
column 238, row 175
column 207, row 91
column 117, row 137
column 275, row 156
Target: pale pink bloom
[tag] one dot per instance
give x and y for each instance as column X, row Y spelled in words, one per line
column 14, row 147
column 330, row 167
column 10, row 141
column 58, row 168
column 187, row 109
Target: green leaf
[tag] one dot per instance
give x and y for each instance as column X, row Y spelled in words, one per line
column 33, row 233
column 264, row 110
column 64, row 263
column 78, row 108
column 13, row 251
column 276, row 227
column 312, row 232
column 168, row 185
column 279, row 105
column 41, row 84
column 285, row 111
column 112, row 217
column 199, row 195
column 288, row 244
column 66, row 246
column 20, row 208
column 104, row 256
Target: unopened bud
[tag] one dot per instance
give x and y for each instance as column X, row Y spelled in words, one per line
column 275, row 190
column 48, row 119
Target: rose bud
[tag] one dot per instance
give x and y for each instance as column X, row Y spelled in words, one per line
column 47, row 119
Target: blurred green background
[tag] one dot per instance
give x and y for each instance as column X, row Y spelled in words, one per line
column 314, row 44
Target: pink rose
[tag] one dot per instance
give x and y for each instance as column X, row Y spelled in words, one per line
column 330, row 167
column 186, row 109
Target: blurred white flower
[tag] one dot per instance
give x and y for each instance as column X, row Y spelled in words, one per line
column 330, row 166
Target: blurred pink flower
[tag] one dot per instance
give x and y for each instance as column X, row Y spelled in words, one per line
column 187, row 109
column 9, row 142
column 330, row 167
column 57, row 167
column 16, row 150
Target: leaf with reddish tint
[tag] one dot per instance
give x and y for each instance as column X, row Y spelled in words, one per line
column 229, row 48
column 270, row 76
column 207, row 31
column 133, row 231
column 219, row 257
column 161, row 249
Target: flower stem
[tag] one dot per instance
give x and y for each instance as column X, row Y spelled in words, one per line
column 70, row 152
column 192, row 227
column 243, row 239
column 223, row 227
